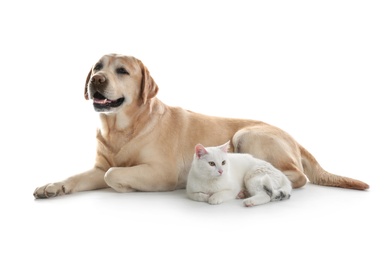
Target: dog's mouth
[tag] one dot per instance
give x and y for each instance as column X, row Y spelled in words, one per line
column 103, row 103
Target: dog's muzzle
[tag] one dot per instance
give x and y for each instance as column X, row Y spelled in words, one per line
column 98, row 84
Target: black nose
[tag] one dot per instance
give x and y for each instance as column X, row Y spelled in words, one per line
column 98, row 79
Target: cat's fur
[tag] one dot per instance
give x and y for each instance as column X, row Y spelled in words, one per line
column 216, row 176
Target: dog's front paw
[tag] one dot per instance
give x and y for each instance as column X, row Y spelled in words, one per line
column 49, row 190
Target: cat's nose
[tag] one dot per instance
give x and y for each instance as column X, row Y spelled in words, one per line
column 220, row 172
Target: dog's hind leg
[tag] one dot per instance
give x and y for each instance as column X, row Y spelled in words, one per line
column 274, row 146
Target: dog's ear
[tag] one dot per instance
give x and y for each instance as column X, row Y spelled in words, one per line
column 149, row 88
column 86, row 86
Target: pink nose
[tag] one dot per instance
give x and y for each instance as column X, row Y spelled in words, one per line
column 221, row 172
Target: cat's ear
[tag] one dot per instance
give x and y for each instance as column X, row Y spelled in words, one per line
column 200, row 150
column 225, row 147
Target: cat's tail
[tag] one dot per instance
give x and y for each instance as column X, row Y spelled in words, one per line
column 317, row 175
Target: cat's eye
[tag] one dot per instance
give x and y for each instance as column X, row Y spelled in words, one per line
column 212, row 164
column 223, row 163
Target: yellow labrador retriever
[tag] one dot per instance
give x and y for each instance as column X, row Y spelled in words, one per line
column 145, row 145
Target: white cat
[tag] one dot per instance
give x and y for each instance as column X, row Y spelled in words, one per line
column 217, row 176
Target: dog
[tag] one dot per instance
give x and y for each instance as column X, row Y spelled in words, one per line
column 146, row 145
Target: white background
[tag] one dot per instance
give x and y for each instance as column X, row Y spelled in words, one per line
column 318, row 69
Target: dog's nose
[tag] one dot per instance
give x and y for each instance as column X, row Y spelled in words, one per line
column 98, row 79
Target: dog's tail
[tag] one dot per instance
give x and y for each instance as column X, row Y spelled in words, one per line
column 317, row 175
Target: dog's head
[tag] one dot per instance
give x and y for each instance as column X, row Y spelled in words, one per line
column 116, row 81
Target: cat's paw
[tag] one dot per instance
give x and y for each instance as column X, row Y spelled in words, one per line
column 242, row 194
column 249, row 202
column 281, row 195
column 199, row 196
column 214, row 200
column 258, row 199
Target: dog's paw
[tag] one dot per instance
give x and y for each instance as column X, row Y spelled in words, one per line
column 49, row 190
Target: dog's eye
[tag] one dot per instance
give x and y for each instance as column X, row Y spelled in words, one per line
column 122, row 71
column 98, row 66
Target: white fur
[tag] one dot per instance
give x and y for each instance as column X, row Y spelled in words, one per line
column 242, row 175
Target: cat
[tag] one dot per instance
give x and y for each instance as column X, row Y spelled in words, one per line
column 216, row 176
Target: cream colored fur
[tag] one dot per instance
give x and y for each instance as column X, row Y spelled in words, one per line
column 145, row 145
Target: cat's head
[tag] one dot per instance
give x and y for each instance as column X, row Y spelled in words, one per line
column 211, row 161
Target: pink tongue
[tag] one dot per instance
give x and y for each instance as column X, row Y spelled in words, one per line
column 102, row 101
